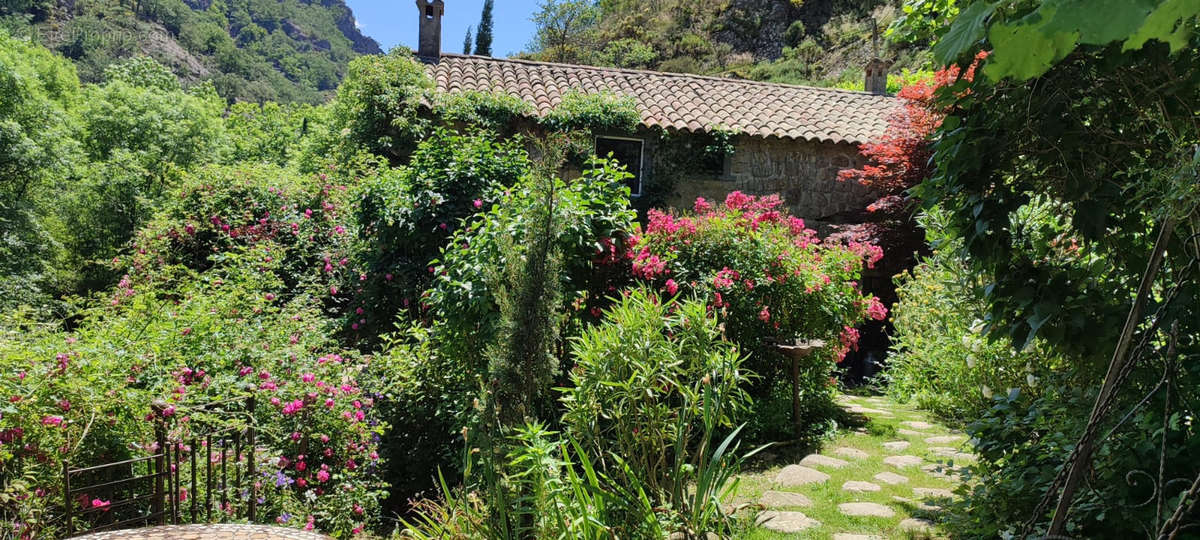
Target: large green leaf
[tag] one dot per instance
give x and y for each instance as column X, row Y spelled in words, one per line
column 1173, row 22
column 1024, row 50
column 967, row 30
column 1097, row 22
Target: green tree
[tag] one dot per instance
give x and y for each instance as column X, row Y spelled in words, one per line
column 376, row 109
column 467, row 42
column 565, row 29
column 483, row 38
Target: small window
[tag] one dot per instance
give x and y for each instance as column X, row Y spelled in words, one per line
column 627, row 152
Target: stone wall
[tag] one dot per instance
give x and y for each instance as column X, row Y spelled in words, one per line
column 803, row 173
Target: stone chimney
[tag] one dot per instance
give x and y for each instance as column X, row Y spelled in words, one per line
column 876, row 82
column 429, row 44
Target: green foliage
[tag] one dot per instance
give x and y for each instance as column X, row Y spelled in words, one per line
column 84, row 395
column 407, row 215
column 650, row 363
column 565, row 29
column 640, row 457
column 142, row 72
column 268, row 133
column 493, row 111
column 942, row 359
column 483, row 37
column 377, row 107
column 38, row 92
column 251, row 50
column 162, row 128
column 528, row 292
column 1028, row 38
column 594, row 113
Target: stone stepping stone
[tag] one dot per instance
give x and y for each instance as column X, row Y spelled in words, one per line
column 815, row 460
column 918, row 504
column 783, row 499
column 896, row 446
column 944, row 451
column 910, row 433
column 941, row 471
column 859, row 409
column 944, row 439
column 852, row 536
column 852, row 453
column 891, row 478
column 797, row 475
column 933, row 493
column 859, row 486
column 917, row 424
column 916, row 525
column 785, row 522
column 902, row 461
column 865, row 509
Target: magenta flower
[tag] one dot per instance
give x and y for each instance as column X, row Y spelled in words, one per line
column 478, row 203
column 672, row 287
column 52, row 421
column 322, row 476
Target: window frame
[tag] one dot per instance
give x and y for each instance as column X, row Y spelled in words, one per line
column 641, row 178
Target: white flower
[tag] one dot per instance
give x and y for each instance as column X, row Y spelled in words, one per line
column 987, row 392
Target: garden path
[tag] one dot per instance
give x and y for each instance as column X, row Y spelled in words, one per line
column 886, row 478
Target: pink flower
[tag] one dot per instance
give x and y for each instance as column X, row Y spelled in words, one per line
column 702, row 206
column 52, row 421
column 333, row 290
column 387, row 277
column 764, row 315
column 169, row 411
column 269, row 297
column 101, row 504
column 308, row 377
column 737, row 200
column 185, row 331
column 876, row 309
column 308, row 212
column 672, row 287
column 478, row 203
column 322, row 476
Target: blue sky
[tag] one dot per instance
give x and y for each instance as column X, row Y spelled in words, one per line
column 394, row 22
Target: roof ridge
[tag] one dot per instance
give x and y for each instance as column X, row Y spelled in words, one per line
column 667, row 74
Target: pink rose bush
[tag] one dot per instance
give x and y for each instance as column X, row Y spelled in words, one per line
column 762, row 270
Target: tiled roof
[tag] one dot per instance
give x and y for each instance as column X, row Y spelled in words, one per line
column 680, row 101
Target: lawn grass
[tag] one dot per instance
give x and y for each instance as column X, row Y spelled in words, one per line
column 866, row 432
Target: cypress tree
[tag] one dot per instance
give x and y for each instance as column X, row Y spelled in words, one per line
column 483, row 37
column 467, row 42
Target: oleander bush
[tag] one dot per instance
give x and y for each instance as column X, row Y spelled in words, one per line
column 769, row 277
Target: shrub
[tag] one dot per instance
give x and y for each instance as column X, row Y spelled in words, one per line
column 763, row 270
column 942, row 360
column 640, row 456
column 443, row 363
column 642, row 377
column 492, row 111
column 377, row 107
column 84, row 395
column 596, row 113
column 407, row 215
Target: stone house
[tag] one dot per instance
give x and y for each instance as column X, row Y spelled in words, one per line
column 788, row 139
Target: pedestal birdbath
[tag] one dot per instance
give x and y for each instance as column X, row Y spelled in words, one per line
column 796, row 350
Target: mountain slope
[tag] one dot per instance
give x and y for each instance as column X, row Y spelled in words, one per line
column 820, row 42
column 251, row 50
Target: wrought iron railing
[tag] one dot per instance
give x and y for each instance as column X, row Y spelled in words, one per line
column 202, row 472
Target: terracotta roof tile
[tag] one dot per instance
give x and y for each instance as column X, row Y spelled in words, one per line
column 681, row 101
